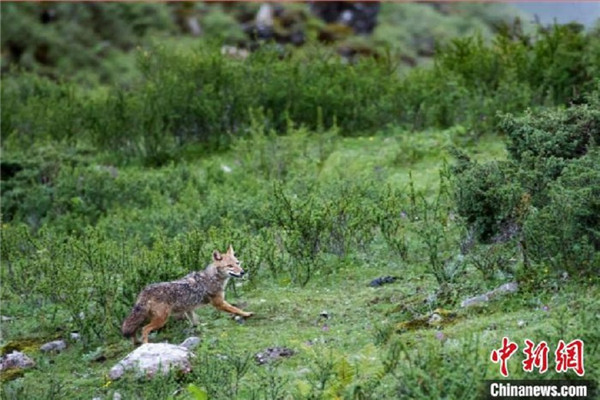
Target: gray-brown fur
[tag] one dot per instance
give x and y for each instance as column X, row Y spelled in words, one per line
column 159, row 300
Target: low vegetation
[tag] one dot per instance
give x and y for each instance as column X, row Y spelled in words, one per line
column 455, row 179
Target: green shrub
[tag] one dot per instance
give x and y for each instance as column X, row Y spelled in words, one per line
column 487, row 196
column 545, row 195
column 197, row 95
column 80, row 42
column 546, row 134
column 566, row 232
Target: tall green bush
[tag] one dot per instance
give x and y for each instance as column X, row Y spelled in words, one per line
column 545, row 194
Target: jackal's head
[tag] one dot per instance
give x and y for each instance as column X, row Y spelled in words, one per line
column 227, row 264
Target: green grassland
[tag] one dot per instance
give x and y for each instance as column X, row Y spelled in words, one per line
column 360, row 349
column 478, row 170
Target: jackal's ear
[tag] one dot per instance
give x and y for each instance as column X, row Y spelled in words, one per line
column 230, row 250
column 217, row 256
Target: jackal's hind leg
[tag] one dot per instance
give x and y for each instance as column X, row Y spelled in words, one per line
column 157, row 321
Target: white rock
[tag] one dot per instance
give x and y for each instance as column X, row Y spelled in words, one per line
column 55, row 345
column 264, row 16
column 151, row 358
column 16, row 359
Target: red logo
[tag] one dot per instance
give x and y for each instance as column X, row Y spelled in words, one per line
column 570, row 356
column 535, row 357
column 503, row 354
column 567, row 356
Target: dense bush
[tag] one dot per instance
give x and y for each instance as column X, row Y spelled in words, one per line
column 565, row 233
column 545, row 194
column 200, row 96
column 82, row 42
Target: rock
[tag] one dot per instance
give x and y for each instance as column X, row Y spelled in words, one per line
column 382, row 281
column 191, row 342
column 55, row 345
column 236, row 53
column 360, row 16
column 324, row 314
column 75, row 336
column 272, row 354
column 16, row 359
column 264, row 21
column 4, row 318
column 521, row 323
column 510, row 287
column 117, row 396
column 151, row 358
column 472, row 301
column 435, row 319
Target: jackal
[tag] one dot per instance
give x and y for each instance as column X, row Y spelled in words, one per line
column 159, row 300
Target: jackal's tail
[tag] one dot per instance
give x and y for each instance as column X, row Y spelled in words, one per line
column 134, row 320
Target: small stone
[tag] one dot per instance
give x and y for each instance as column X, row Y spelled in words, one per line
column 475, row 300
column 521, row 323
column 75, row 336
column 382, row 281
column 510, row 287
column 272, row 354
column 117, row 396
column 16, row 359
column 191, row 342
column 55, row 345
column 435, row 319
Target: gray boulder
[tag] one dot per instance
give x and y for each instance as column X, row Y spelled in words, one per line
column 55, row 345
column 16, row 359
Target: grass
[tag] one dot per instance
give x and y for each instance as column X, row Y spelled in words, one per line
column 358, row 349
column 290, row 317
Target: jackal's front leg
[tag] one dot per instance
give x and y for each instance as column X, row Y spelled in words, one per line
column 221, row 304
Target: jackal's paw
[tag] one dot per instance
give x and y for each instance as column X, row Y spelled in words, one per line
column 247, row 314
